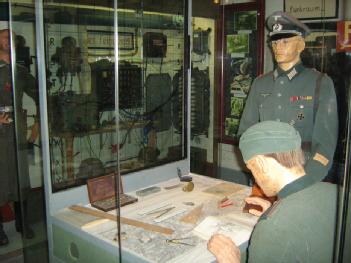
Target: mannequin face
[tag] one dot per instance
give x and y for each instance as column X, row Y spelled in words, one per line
column 287, row 51
column 4, row 41
column 267, row 174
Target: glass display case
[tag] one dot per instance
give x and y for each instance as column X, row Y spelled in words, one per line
column 136, row 100
column 84, row 81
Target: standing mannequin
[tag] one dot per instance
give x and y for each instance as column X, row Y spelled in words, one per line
column 297, row 95
column 9, row 153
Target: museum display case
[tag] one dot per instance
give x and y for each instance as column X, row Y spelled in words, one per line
column 137, row 100
column 84, row 114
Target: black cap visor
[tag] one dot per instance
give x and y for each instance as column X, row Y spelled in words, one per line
column 278, row 36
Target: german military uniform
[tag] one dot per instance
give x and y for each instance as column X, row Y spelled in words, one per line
column 13, row 150
column 289, row 231
column 302, row 97
column 287, row 234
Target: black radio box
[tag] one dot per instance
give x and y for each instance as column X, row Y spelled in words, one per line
column 155, row 45
column 71, row 112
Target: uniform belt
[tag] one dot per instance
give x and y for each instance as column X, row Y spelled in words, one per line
column 306, row 146
column 6, row 109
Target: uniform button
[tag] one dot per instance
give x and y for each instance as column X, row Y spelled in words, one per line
column 278, row 119
column 302, row 106
column 279, row 94
column 279, row 107
column 261, row 105
column 282, row 82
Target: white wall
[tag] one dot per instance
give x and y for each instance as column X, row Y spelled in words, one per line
column 346, row 9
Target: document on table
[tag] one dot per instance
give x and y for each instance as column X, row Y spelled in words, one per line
column 236, row 230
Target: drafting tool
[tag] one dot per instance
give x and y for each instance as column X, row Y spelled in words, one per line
column 179, row 241
column 123, row 220
column 172, row 186
column 154, row 208
column 193, row 216
column 161, row 212
column 148, row 191
column 225, row 202
column 169, row 215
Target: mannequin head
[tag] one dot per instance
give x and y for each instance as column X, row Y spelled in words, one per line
column 5, row 45
column 287, row 51
column 272, row 151
column 286, row 35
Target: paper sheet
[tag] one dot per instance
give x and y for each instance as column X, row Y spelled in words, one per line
column 238, row 232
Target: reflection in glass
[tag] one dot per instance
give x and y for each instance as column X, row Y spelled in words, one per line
column 80, row 64
column 20, row 143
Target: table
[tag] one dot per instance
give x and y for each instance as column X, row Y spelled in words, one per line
column 69, row 137
column 139, row 245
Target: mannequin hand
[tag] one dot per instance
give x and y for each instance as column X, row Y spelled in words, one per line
column 4, row 118
column 224, row 249
column 265, row 204
column 34, row 132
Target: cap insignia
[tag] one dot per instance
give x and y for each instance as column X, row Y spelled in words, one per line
column 277, row 27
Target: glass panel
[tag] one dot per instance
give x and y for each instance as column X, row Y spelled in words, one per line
column 152, row 91
column 81, row 87
column 205, row 33
column 79, row 59
column 19, row 136
column 151, row 83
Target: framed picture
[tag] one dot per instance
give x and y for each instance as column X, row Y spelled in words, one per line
column 104, row 40
column 238, row 43
column 312, row 9
column 245, row 20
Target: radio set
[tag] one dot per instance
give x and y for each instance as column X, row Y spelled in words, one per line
column 73, row 112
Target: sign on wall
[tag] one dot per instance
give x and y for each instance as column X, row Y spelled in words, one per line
column 312, row 9
column 343, row 40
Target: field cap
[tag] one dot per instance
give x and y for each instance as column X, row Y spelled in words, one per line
column 268, row 137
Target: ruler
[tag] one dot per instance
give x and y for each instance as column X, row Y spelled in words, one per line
column 123, row 220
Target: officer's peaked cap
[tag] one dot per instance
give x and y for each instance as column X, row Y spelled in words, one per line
column 283, row 25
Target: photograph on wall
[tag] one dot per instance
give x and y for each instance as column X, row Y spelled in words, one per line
column 245, row 20
column 242, row 77
column 238, row 43
column 231, row 126
column 238, row 83
column 236, row 105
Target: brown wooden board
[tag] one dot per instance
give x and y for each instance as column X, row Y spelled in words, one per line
column 123, row 220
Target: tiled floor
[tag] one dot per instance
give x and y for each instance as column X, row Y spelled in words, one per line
column 13, row 252
column 27, row 250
